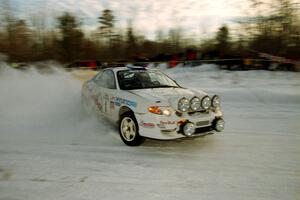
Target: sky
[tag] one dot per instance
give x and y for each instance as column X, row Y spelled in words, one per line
column 194, row 17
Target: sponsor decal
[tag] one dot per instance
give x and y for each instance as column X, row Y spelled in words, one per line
column 106, row 97
column 105, row 107
column 202, row 123
column 117, row 104
column 99, row 105
column 167, row 122
column 112, row 105
column 162, row 124
column 147, row 124
column 120, row 101
column 97, row 101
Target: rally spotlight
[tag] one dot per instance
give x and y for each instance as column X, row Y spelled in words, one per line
column 219, row 124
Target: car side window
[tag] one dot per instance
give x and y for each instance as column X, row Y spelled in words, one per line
column 106, row 80
column 97, row 77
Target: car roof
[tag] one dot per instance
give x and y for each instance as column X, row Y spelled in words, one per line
column 116, row 69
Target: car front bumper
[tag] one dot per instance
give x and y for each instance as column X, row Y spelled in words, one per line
column 171, row 127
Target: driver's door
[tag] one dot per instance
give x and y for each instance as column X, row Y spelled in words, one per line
column 106, row 93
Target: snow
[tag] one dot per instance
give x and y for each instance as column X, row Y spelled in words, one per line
column 49, row 150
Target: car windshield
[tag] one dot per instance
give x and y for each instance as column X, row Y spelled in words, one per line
column 141, row 79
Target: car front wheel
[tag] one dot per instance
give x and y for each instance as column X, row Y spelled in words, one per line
column 129, row 130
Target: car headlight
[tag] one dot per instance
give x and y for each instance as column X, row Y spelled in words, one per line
column 206, row 102
column 160, row 110
column 166, row 112
column 216, row 101
column 183, row 104
column 195, row 103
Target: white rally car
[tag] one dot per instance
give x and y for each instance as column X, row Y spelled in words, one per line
column 146, row 103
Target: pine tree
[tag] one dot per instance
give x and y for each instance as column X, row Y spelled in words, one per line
column 131, row 42
column 106, row 21
column 71, row 36
column 222, row 39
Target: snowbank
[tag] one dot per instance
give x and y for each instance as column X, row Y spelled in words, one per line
column 48, row 150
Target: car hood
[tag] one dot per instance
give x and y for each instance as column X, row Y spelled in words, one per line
column 167, row 96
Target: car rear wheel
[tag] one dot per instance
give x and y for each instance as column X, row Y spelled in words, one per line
column 129, row 130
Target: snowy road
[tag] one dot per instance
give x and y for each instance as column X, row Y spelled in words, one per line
column 49, row 151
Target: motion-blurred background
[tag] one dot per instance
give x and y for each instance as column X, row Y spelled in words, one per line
column 240, row 34
column 50, row 150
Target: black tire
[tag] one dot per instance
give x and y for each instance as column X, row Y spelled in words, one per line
column 129, row 132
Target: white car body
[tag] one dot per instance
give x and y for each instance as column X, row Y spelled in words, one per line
column 112, row 103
